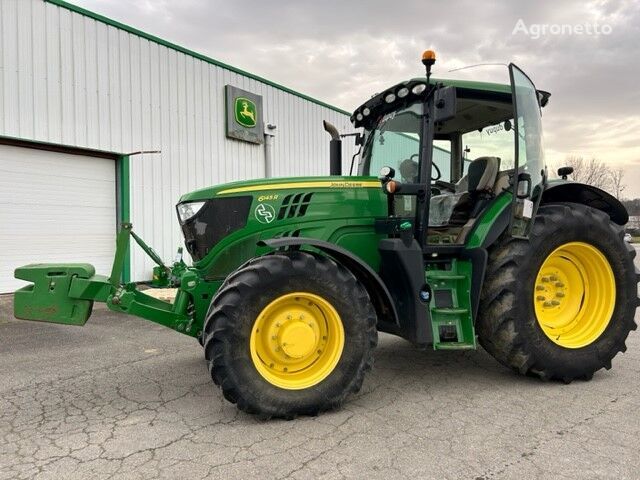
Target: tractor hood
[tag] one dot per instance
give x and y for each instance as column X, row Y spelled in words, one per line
column 241, row 210
column 280, row 185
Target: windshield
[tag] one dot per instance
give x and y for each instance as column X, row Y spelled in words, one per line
column 394, row 142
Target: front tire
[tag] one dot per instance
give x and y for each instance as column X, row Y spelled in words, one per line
column 290, row 334
column 561, row 304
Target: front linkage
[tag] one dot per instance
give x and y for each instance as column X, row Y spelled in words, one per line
column 64, row 292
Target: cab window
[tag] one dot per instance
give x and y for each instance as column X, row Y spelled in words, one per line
column 492, row 141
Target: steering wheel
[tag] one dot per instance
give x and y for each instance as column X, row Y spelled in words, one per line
column 438, row 172
column 409, row 169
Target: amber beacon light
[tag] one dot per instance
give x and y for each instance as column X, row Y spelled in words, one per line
column 428, row 56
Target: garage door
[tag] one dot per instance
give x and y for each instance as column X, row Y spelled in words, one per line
column 55, row 207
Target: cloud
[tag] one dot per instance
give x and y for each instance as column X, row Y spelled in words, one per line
column 343, row 52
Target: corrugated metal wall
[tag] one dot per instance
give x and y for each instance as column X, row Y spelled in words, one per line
column 77, row 81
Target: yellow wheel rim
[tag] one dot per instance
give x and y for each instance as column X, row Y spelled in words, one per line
column 575, row 294
column 297, row 340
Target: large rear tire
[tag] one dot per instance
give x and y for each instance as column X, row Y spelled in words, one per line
column 290, row 334
column 561, row 304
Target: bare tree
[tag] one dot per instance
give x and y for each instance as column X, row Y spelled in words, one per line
column 592, row 172
column 617, row 182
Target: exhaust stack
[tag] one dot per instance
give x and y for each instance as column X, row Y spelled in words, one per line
column 335, row 149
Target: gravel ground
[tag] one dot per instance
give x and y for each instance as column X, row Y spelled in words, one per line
column 124, row 398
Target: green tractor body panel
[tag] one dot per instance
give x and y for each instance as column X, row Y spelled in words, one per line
column 341, row 210
column 487, row 222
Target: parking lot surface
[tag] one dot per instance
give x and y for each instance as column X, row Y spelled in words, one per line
column 124, row 398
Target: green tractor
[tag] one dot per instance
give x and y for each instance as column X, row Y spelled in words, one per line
column 450, row 233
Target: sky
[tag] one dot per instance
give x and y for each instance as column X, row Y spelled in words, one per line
column 586, row 53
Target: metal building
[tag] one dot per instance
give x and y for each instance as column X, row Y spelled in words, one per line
column 79, row 93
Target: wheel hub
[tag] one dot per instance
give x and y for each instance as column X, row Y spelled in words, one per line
column 559, row 293
column 574, row 295
column 297, row 339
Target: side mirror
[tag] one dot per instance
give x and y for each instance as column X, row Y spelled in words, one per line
column 564, row 172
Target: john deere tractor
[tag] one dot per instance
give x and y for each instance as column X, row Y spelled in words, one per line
column 451, row 233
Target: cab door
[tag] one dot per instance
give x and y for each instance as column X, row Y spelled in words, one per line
column 530, row 171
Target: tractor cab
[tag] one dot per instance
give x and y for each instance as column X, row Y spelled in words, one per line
column 452, row 148
column 460, row 162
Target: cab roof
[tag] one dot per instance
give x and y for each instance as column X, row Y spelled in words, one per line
column 376, row 105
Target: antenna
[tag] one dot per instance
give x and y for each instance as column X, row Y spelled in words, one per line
column 478, row 65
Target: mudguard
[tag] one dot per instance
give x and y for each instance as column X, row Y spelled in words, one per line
column 594, row 197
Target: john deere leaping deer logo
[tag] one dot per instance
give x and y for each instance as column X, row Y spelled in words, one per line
column 246, row 112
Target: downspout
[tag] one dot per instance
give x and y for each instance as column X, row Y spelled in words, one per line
column 269, row 134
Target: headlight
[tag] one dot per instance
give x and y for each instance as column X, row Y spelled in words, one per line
column 359, row 117
column 366, row 112
column 188, row 210
column 403, row 92
column 390, row 98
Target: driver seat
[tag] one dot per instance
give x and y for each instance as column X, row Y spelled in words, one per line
column 455, row 209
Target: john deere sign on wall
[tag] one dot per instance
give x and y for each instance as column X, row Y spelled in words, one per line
column 244, row 115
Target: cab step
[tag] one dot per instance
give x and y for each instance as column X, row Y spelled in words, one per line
column 451, row 317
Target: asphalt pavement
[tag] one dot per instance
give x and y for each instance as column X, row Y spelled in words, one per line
column 124, row 398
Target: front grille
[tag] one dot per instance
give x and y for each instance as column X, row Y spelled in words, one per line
column 216, row 219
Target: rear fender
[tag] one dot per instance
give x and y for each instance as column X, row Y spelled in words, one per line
column 594, row 197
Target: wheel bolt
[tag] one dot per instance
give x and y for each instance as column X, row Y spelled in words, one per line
column 545, row 279
column 559, row 284
column 555, row 302
column 539, row 287
column 559, row 294
column 553, row 278
column 540, row 298
column 547, row 304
